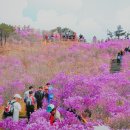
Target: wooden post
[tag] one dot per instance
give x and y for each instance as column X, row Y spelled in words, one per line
column 5, row 38
column 1, row 36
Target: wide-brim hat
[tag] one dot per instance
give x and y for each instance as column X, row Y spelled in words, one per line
column 17, row 96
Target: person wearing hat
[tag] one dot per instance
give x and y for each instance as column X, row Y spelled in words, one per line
column 17, row 107
column 55, row 114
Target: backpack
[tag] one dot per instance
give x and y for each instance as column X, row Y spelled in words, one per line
column 29, row 101
column 9, row 109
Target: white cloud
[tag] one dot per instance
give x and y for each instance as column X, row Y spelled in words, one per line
column 51, row 19
column 84, row 16
column 69, row 5
column 89, row 25
column 11, row 12
column 58, row 5
column 123, row 17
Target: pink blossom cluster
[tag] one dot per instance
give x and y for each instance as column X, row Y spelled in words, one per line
column 80, row 75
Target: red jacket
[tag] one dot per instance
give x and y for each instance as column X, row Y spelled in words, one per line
column 52, row 119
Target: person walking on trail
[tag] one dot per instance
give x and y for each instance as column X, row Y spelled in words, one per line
column 121, row 53
column 17, row 107
column 119, row 58
column 126, row 49
column 26, row 94
column 39, row 95
column 30, row 104
column 55, row 114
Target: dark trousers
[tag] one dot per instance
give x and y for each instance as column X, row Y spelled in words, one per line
column 118, row 61
column 39, row 105
column 30, row 109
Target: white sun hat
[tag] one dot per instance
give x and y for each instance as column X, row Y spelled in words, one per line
column 50, row 107
column 17, row 96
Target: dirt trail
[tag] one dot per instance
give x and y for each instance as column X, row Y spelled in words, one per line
column 1, row 111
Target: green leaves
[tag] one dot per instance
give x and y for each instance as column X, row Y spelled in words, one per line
column 6, row 29
column 119, row 32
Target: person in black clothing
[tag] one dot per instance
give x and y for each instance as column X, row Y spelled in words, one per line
column 80, row 36
column 39, row 95
column 71, row 110
column 126, row 49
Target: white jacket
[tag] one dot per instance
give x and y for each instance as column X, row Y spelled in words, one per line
column 57, row 115
column 17, row 109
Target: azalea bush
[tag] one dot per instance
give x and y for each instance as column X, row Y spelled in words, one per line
column 40, row 120
column 81, row 79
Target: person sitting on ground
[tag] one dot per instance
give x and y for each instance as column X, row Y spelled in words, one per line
column 30, row 104
column 26, row 94
column 55, row 114
column 17, row 107
column 85, row 115
column 39, row 95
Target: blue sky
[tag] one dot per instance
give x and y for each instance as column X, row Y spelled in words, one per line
column 89, row 17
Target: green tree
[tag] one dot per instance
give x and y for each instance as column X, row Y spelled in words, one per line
column 58, row 29
column 63, row 31
column 110, row 34
column 5, row 31
column 119, row 32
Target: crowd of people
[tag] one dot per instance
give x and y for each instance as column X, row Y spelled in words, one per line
column 31, row 99
column 63, row 37
column 121, row 53
column 34, row 100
